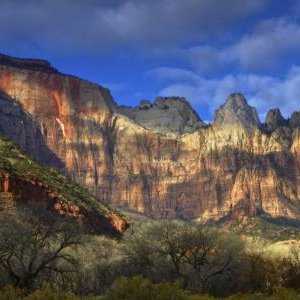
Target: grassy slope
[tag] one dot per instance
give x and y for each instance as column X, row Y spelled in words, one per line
column 263, row 227
column 15, row 162
column 267, row 228
column 132, row 215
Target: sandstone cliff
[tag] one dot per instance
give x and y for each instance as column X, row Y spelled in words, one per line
column 236, row 166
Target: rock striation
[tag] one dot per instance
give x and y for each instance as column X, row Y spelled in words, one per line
column 158, row 158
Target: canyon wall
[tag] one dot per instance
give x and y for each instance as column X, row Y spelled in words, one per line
column 165, row 168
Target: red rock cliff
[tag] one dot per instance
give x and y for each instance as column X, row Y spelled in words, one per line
column 235, row 166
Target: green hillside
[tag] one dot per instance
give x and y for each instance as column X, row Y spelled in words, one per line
column 16, row 165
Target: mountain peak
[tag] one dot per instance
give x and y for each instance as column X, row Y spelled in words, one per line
column 165, row 114
column 274, row 119
column 236, row 110
column 236, row 100
column 295, row 119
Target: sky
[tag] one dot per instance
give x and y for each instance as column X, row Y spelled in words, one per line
column 202, row 50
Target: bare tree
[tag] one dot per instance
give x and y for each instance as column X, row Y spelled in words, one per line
column 194, row 253
column 210, row 253
column 31, row 252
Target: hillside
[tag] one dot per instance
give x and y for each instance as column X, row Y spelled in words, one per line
column 25, row 182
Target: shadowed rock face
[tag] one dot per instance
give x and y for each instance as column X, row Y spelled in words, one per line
column 230, row 168
column 295, row 119
column 18, row 125
column 274, row 120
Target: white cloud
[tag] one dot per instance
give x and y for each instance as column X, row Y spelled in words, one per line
column 208, row 59
column 263, row 92
column 265, row 48
column 270, row 41
column 115, row 86
column 173, row 74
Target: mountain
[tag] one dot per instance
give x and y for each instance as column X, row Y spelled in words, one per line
column 236, row 112
column 171, row 114
column 158, row 158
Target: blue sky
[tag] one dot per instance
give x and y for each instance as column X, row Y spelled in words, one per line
column 200, row 49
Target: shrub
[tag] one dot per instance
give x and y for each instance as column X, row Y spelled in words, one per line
column 285, row 294
column 46, row 293
column 137, row 288
column 170, row 291
column 11, row 293
column 200, row 297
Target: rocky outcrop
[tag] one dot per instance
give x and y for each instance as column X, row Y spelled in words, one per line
column 295, row 119
column 236, row 112
column 137, row 158
column 32, row 64
column 274, row 120
column 166, row 114
column 17, row 192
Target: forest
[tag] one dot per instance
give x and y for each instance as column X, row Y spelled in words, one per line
column 51, row 257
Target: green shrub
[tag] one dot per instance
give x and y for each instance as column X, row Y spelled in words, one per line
column 282, row 294
column 170, row 291
column 137, row 288
column 247, row 297
column 200, row 297
column 46, row 293
column 11, row 293
column 131, row 289
column 285, row 294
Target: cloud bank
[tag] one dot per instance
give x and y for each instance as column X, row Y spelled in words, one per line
column 262, row 92
column 264, row 49
column 90, row 25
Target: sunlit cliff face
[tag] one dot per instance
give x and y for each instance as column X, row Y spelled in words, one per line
column 236, row 166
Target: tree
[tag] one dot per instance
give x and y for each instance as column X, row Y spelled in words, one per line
column 210, row 254
column 32, row 251
column 100, row 265
column 194, row 253
column 290, row 267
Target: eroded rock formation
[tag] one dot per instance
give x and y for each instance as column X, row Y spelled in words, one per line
column 166, row 114
column 274, row 120
column 131, row 156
